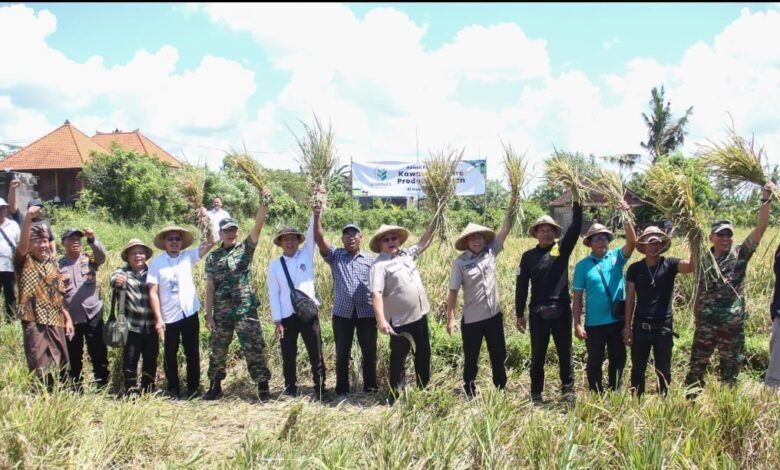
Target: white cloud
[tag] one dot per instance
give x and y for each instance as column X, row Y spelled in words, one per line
column 609, row 43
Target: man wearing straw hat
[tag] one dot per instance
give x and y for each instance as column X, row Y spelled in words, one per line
column 475, row 271
column 546, row 268
column 299, row 263
column 399, row 301
column 231, row 304
column 598, row 278
column 173, row 298
column 720, row 300
column 352, row 312
column 145, row 327
column 649, row 294
column 79, row 272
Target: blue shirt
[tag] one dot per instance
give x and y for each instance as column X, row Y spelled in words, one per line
column 350, row 283
column 598, row 307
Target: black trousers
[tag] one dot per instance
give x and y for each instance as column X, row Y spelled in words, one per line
column 540, row 331
column 185, row 332
column 146, row 345
column 343, row 332
column 492, row 330
column 90, row 332
column 312, row 339
column 399, row 349
column 661, row 343
column 599, row 337
column 7, row 284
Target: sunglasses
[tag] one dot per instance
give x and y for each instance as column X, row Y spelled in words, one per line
column 230, row 230
column 724, row 234
column 173, row 238
column 390, row 239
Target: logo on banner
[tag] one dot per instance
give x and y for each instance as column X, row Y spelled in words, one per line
column 381, row 173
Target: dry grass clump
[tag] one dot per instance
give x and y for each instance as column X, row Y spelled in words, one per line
column 562, row 172
column 610, row 185
column 516, row 171
column 249, row 169
column 317, row 156
column 438, row 183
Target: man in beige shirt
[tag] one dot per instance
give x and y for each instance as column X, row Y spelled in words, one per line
column 475, row 270
column 399, row 302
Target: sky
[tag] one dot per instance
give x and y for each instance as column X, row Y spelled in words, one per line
column 395, row 81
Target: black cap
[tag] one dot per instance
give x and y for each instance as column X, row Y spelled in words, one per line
column 227, row 222
column 34, row 202
column 70, row 232
column 350, row 226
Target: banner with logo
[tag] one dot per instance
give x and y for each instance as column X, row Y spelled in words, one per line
column 403, row 179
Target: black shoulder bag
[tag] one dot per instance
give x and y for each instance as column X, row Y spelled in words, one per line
column 619, row 307
column 305, row 308
column 115, row 329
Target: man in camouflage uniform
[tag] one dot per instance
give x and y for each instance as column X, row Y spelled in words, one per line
column 231, row 304
column 720, row 303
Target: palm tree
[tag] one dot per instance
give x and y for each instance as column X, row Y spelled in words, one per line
column 664, row 134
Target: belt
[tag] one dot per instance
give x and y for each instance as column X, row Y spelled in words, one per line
column 661, row 328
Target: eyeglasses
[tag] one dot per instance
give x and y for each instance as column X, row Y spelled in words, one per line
column 173, row 238
column 390, row 239
column 724, row 234
column 600, row 238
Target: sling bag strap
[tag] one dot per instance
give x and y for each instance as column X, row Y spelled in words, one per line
column 287, row 274
column 10, row 243
column 121, row 308
column 606, row 287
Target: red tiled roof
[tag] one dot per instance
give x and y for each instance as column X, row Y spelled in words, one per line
column 64, row 147
column 136, row 141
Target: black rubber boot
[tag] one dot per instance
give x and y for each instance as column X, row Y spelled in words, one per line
column 215, row 391
column 263, row 391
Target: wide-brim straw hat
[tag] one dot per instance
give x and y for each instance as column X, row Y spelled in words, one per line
column 546, row 220
column 136, row 242
column 462, row 242
column 186, row 237
column 596, row 229
column 653, row 234
column 287, row 230
column 376, row 240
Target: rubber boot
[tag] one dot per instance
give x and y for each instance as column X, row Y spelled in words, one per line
column 215, row 390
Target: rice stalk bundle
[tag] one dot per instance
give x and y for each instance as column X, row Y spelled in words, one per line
column 438, row 183
column 516, row 169
column 736, row 162
column 610, row 185
column 192, row 181
column 561, row 172
column 670, row 191
column 250, row 170
column 317, row 157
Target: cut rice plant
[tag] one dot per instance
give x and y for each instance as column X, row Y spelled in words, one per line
column 192, row 180
column 438, row 184
column 317, row 156
column 563, row 172
column 516, row 169
column 610, row 185
column 736, row 162
column 249, row 169
column 669, row 189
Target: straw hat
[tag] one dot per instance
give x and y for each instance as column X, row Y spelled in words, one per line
column 287, row 230
column 376, row 245
column 546, row 220
column 186, row 237
column 462, row 242
column 136, row 242
column 650, row 235
column 595, row 229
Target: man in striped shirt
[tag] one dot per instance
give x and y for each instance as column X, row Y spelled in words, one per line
column 352, row 309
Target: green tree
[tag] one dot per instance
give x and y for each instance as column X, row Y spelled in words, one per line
column 664, row 133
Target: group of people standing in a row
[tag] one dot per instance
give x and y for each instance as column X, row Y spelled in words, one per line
column 60, row 308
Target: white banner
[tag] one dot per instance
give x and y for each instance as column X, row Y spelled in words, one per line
column 403, row 179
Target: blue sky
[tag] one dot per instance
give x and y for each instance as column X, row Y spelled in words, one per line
column 203, row 78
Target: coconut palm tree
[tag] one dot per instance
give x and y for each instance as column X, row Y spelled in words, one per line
column 664, row 133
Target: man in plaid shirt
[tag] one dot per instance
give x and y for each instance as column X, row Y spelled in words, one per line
column 351, row 303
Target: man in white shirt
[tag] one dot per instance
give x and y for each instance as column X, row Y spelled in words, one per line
column 217, row 214
column 300, row 265
column 9, row 240
column 173, row 297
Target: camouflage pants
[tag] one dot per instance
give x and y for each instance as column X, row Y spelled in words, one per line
column 250, row 337
column 728, row 335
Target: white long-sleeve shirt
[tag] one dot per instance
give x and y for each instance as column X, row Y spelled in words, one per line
column 301, row 268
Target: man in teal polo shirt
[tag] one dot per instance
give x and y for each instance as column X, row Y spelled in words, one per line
column 599, row 276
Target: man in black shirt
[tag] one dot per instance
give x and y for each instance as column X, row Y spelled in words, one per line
column 546, row 267
column 650, row 287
